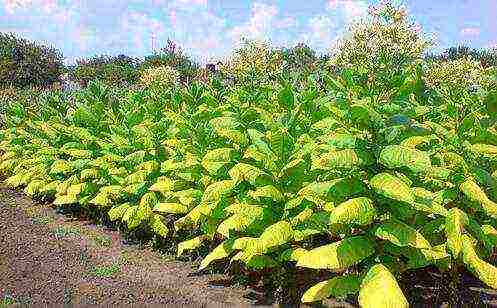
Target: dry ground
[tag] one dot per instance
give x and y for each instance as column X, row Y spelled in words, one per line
column 46, row 258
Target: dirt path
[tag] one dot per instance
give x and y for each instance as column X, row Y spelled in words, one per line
column 46, row 258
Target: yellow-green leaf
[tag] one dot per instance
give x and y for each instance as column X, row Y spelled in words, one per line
column 170, row 208
column 380, row 289
column 474, row 193
column 216, row 159
column 342, row 159
column 338, row 255
column 192, row 244
column 222, row 251
column 117, row 212
column 483, row 270
column 158, row 226
column 392, row 187
column 397, row 156
column 454, row 230
column 337, row 287
column 401, row 234
column 360, row 211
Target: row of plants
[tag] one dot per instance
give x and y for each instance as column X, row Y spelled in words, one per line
column 363, row 174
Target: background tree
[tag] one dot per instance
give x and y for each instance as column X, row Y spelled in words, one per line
column 112, row 70
column 25, row 63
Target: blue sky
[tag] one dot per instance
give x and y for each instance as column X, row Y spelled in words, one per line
column 209, row 29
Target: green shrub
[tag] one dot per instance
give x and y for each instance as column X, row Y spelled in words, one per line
column 112, row 70
column 486, row 56
column 300, row 59
column 338, row 181
column 24, row 63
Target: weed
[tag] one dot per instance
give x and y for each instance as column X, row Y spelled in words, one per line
column 105, row 271
column 7, row 301
column 64, row 231
column 102, row 240
column 43, row 220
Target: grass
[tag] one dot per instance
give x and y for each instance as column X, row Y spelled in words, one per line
column 102, row 240
column 43, row 220
column 7, row 301
column 64, row 231
column 105, row 271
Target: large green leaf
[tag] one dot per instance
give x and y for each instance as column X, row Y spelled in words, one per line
column 401, row 234
column 380, row 289
column 483, row 270
column 337, row 287
column 397, row 156
column 216, row 159
column 222, row 251
column 474, row 193
column 342, row 159
column 358, row 211
column 454, row 230
column 392, row 187
column 215, row 191
column 338, row 255
column 191, row 244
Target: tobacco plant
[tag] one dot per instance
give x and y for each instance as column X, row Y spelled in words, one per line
column 343, row 179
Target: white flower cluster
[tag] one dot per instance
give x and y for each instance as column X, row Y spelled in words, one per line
column 254, row 58
column 455, row 75
column 382, row 44
column 160, row 76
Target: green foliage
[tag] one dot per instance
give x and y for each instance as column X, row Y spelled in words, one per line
column 269, row 175
column 112, row 70
column 25, row 63
column 105, row 271
column 486, row 57
column 380, row 52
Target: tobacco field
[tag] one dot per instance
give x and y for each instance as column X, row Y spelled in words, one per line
column 361, row 174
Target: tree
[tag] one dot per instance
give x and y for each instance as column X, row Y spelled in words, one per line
column 25, row 63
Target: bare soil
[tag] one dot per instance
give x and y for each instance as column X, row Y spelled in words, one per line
column 50, row 259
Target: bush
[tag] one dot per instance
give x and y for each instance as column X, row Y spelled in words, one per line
column 112, row 70
column 300, row 59
column 172, row 56
column 24, row 63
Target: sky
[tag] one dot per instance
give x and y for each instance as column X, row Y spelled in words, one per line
column 208, row 30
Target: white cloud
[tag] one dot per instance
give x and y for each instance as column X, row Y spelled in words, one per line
column 259, row 24
column 47, row 6
column 350, row 9
column 141, row 30
column 202, row 34
column 319, row 32
column 470, row 31
column 285, row 22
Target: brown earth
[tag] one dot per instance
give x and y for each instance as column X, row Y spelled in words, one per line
column 50, row 259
